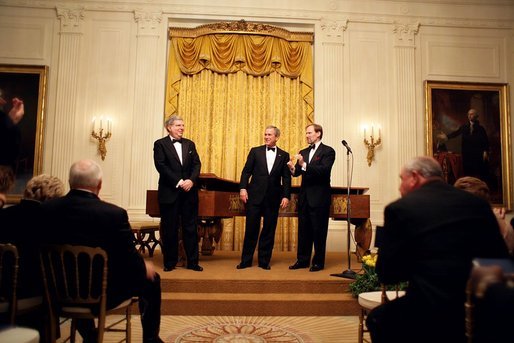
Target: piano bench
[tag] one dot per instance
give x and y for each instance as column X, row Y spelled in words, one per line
column 144, row 236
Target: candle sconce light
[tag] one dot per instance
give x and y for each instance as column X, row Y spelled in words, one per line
column 372, row 143
column 101, row 131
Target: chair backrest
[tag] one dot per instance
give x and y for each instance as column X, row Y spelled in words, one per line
column 8, row 282
column 75, row 282
column 489, row 301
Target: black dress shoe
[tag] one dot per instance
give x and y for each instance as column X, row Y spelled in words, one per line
column 316, row 268
column 243, row 265
column 265, row 266
column 195, row 267
column 298, row 265
column 168, row 268
column 153, row 340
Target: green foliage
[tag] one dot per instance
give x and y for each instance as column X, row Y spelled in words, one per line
column 365, row 282
column 368, row 281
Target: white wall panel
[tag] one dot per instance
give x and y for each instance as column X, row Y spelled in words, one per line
column 31, row 39
column 466, row 57
column 106, row 93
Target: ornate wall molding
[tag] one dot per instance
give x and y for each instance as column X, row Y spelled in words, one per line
column 241, row 26
column 71, row 19
column 334, row 28
column 405, row 34
column 147, row 22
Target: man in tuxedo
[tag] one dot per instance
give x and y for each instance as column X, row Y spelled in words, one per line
column 265, row 187
column 178, row 164
column 430, row 238
column 314, row 164
column 81, row 218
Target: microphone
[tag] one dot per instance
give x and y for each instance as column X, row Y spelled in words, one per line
column 347, row 146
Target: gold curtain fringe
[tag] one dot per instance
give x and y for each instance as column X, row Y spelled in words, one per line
column 241, row 27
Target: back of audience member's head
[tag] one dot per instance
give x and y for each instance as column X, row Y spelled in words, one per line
column 43, row 187
column 85, row 174
column 6, row 178
column 474, row 186
column 426, row 166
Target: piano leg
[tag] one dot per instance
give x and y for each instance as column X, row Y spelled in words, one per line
column 209, row 230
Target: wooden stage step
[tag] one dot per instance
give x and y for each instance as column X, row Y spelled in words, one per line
column 223, row 290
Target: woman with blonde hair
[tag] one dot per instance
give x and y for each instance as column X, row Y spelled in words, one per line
column 21, row 226
column 479, row 188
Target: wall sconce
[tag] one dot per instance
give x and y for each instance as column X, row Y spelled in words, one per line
column 101, row 135
column 372, row 143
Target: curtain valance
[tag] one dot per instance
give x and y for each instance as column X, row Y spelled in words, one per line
column 255, row 49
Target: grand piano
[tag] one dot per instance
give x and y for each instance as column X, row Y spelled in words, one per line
column 219, row 198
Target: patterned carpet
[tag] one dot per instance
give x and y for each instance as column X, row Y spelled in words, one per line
column 188, row 329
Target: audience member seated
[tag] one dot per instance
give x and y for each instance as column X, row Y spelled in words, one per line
column 81, row 218
column 479, row 188
column 6, row 183
column 21, row 227
column 430, row 237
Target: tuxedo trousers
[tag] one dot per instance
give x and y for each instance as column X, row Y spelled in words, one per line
column 268, row 210
column 312, row 231
column 181, row 214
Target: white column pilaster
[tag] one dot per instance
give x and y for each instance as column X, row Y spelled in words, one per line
column 145, row 107
column 405, row 61
column 70, row 37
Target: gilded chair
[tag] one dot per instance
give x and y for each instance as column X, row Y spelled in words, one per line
column 8, row 283
column 489, row 301
column 75, row 282
column 370, row 300
column 10, row 306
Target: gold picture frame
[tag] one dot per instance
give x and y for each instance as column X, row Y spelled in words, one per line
column 28, row 83
column 447, row 105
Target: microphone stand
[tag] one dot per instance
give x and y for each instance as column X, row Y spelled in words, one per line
column 348, row 273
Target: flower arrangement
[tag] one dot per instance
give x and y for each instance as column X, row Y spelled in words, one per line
column 368, row 280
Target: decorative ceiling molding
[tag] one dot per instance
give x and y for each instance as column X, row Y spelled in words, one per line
column 497, row 12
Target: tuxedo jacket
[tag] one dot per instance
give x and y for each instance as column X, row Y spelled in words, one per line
column 430, row 237
column 263, row 185
column 81, row 218
column 171, row 171
column 315, row 188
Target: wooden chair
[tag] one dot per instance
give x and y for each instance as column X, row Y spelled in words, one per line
column 370, row 300
column 489, row 301
column 8, row 282
column 75, row 280
column 10, row 306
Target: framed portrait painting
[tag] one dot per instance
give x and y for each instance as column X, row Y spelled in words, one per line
column 468, row 132
column 22, row 140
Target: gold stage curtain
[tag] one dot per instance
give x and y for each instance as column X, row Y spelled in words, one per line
column 228, row 88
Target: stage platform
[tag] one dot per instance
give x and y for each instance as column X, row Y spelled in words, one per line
column 221, row 289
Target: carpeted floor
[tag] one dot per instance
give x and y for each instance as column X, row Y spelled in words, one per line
column 230, row 329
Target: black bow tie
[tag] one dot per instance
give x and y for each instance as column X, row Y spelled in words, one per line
column 313, row 146
column 272, row 149
column 176, row 141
